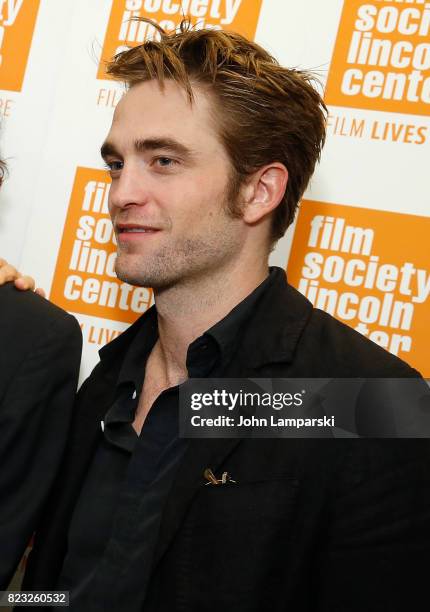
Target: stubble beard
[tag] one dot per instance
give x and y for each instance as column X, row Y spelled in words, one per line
column 186, row 261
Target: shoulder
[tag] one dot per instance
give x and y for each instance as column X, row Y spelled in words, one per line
column 346, row 352
column 26, row 316
column 43, row 344
column 26, row 302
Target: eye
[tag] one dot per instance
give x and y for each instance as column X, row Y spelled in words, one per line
column 114, row 166
column 165, row 162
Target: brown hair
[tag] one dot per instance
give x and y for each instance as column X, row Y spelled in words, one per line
column 264, row 112
column 3, row 170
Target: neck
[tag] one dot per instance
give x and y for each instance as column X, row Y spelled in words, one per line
column 186, row 310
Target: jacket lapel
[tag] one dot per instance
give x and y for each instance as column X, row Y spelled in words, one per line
column 93, row 400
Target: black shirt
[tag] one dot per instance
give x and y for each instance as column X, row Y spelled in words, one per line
column 115, row 523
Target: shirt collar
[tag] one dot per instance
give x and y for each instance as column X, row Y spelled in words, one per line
column 267, row 325
column 220, row 341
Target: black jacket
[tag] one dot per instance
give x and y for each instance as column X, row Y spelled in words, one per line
column 40, row 351
column 311, row 525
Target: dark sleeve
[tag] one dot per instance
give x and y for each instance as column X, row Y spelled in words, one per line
column 35, row 414
column 377, row 543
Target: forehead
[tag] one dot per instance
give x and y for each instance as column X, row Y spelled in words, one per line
column 146, row 111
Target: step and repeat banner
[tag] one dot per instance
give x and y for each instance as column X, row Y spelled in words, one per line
column 359, row 247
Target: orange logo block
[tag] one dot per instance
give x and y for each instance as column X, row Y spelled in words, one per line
column 381, row 59
column 123, row 33
column 84, row 280
column 369, row 269
column 17, row 21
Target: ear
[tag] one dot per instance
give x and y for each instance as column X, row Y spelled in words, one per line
column 263, row 191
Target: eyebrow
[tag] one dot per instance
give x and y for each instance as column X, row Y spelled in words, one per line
column 150, row 144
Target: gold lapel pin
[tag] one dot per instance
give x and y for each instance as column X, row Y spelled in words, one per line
column 212, row 480
column 210, row 476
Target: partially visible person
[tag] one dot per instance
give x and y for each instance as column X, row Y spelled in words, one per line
column 40, row 350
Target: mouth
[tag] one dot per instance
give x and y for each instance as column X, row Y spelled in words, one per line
column 127, row 231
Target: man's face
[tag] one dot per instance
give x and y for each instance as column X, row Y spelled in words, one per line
column 170, row 177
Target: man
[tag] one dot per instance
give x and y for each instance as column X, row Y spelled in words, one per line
column 39, row 365
column 210, row 151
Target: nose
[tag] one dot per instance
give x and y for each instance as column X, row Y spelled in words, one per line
column 128, row 189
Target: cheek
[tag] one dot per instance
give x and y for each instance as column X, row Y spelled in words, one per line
column 198, row 214
column 193, row 202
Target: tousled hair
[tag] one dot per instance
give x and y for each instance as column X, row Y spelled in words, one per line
column 3, row 171
column 264, row 112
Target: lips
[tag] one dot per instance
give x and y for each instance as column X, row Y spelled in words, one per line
column 131, row 228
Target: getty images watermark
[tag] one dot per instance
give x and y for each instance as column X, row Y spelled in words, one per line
column 232, row 401
column 316, row 408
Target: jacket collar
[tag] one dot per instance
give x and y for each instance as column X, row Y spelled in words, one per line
column 276, row 324
column 113, row 354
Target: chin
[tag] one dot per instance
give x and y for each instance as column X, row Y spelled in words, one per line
column 141, row 275
column 184, row 263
